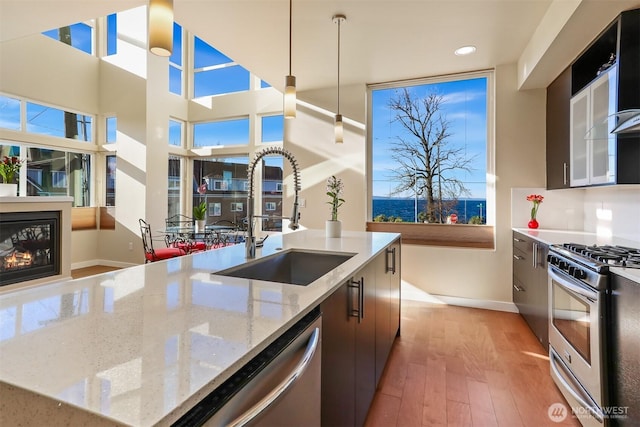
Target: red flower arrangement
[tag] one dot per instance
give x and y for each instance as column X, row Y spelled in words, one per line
column 536, row 199
column 8, row 168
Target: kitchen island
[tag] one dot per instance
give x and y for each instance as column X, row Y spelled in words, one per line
column 142, row 345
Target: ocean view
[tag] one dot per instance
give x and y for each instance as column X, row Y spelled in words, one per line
column 405, row 208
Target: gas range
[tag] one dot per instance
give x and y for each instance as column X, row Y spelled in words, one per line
column 600, row 257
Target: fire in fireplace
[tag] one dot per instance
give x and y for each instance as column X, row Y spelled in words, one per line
column 29, row 246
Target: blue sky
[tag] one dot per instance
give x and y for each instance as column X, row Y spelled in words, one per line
column 464, row 107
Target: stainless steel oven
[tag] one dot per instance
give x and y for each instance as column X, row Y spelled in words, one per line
column 577, row 308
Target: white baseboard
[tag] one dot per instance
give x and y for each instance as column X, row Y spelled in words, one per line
column 411, row 293
column 108, row 263
column 479, row 303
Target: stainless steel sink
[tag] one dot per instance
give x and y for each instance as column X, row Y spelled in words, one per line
column 296, row 267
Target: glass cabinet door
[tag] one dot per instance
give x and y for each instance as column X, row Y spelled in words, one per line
column 579, row 144
column 603, row 144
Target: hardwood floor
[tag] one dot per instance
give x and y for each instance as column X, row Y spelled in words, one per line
column 458, row 366
column 90, row 271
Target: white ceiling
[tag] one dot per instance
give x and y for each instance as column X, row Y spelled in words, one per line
column 381, row 40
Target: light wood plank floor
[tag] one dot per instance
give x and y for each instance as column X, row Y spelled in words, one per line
column 90, row 271
column 457, row 366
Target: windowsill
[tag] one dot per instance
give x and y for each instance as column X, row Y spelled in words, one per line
column 458, row 235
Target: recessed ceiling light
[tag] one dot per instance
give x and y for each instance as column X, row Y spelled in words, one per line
column 465, row 50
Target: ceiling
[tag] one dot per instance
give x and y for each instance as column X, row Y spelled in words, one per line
column 381, row 40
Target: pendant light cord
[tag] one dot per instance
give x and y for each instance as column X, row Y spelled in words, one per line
column 290, row 32
column 338, row 66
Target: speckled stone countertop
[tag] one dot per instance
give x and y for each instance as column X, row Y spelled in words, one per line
column 556, row 237
column 142, row 345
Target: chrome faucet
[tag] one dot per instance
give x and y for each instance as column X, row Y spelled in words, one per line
column 250, row 242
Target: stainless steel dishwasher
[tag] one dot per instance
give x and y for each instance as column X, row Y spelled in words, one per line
column 279, row 387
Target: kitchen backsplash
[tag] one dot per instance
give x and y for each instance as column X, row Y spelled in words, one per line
column 607, row 211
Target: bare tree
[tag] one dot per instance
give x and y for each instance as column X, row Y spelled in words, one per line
column 426, row 161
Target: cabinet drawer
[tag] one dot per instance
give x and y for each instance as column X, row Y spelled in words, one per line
column 522, row 243
column 522, row 265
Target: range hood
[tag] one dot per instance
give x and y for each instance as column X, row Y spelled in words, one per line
column 628, row 121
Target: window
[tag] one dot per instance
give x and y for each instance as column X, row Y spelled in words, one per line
column 78, row 35
column 215, row 209
column 10, row 113
column 272, row 173
column 175, row 62
column 414, row 184
column 112, row 127
column 57, row 173
column 272, row 128
column 225, row 132
column 220, row 185
column 110, row 181
column 173, row 186
column 217, row 174
column 215, row 73
column 51, row 121
column 175, row 133
column 58, row 179
column 449, row 177
column 112, row 34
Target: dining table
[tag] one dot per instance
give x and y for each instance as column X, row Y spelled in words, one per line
column 213, row 236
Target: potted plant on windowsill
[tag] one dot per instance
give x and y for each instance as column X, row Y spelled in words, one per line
column 9, row 166
column 199, row 215
column 333, row 227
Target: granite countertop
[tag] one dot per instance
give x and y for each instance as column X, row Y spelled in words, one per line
column 556, row 237
column 142, row 345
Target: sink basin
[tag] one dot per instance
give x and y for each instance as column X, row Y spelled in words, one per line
column 296, row 267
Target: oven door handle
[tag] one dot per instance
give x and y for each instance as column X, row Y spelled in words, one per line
column 566, row 283
column 554, row 360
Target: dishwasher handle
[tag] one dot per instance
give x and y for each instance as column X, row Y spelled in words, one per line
column 281, row 388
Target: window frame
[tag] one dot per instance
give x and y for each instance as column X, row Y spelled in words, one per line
column 458, row 235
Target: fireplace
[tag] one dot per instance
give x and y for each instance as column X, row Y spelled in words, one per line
column 29, row 246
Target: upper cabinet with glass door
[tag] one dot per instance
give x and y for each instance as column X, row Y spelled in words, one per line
column 593, row 147
column 605, row 79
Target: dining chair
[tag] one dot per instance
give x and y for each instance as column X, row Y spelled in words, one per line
column 150, row 253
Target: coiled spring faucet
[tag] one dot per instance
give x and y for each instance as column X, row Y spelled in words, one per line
column 250, row 242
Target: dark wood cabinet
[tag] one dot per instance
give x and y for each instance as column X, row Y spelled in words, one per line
column 359, row 322
column 558, row 122
column 387, row 304
column 338, row 358
column 623, row 348
column 530, row 287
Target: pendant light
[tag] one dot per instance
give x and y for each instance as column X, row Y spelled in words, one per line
column 161, row 27
column 290, row 81
column 339, row 130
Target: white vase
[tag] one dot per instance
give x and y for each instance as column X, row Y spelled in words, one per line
column 8, row 190
column 333, row 228
column 200, row 224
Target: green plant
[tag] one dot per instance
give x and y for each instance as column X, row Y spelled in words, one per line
column 200, row 211
column 8, row 168
column 334, row 189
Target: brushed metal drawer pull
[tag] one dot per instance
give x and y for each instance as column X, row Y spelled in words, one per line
column 518, row 257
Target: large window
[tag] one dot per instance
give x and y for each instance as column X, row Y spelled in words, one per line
column 220, row 182
column 110, row 181
column 10, row 113
column 224, row 132
column 175, row 62
column 173, row 184
column 429, row 151
column 215, row 73
column 272, row 128
column 55, row 172
column 175, row 133
column 45, row 120
column 78, row 35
